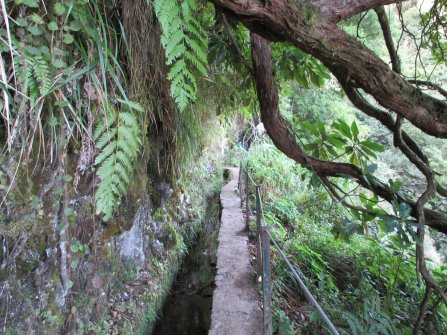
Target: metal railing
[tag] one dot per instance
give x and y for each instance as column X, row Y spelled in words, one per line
column 263, row 266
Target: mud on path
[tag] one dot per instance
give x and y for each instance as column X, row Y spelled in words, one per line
column 236, row 304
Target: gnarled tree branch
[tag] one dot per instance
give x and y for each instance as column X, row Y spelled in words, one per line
column 339, row 10
column 342, row 55
column 284, row 141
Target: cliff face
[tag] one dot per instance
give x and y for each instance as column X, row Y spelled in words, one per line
column 62, row 270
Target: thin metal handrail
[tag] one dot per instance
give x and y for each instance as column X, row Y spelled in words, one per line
column 307, row 294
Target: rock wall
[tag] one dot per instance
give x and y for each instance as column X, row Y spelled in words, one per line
column 64, row 271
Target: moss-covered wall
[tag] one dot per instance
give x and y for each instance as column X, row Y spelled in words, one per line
column 115, row 275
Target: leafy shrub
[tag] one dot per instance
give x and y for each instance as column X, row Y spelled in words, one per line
column 367, row 286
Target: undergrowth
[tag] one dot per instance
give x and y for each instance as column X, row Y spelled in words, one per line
column 366, row 284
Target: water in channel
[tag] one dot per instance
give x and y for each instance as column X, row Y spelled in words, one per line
column 187, row 310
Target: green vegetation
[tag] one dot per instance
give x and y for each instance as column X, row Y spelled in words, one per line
column 66, row 67
column 367, row 284
column 185, row 44
column 118, row 138
column 103, row 101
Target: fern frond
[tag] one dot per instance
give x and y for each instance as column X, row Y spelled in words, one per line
column 132, row 105
column 124, row 159
column 174, row 41
column 106, row 152
column 185, row 45
column 126, row 147
column 176, row 69
column 43, row 75
column 106, row 123
column 122, row 172
column 106, row 138
column 33, row 89
column 28, row 79
column 197, row 62
column 176, row 54
column 128, row 119
column 118, row 138
column 127, row 135
column 198, row 33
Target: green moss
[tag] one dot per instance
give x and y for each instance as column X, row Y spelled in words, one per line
column 55, row 278
column 113, row 228
column 159, row 214
column 174, row 236
column 156, row 299
column 24, row 267
column 309, row 14
column 12, row 331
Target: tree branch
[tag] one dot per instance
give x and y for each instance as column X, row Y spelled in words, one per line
column 421, row 266
column 310, row 31
column 339, row 10
column 284, row 141
column 406, row 144
column 429, row 85
column 422, row 309
column 275, row 125
column 331, row 189
column 236, row 45
column 386, row 31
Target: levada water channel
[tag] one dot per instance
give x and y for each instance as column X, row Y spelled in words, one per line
column 187, row 310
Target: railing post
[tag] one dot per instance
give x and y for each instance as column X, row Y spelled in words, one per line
column 258, row 231
column 266, row 281
column 239, row 183
column 247, row 200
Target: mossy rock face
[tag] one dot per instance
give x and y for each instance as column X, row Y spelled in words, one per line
column 112, row 229
column 40, row 303
column 25, row 266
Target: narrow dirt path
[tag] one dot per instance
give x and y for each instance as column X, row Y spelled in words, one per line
column 236, row 307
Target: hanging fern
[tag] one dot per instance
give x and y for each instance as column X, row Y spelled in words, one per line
column 185, row 45
column 117, row 136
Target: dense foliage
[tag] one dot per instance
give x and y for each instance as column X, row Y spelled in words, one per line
column 74, row 82
column 366, row 283
column 67, row 77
